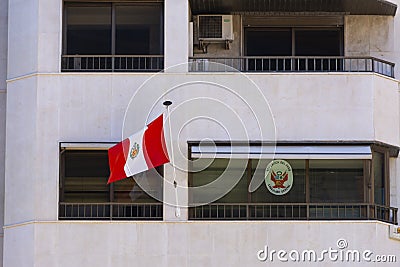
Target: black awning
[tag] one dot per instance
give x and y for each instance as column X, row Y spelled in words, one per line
column 350, row 7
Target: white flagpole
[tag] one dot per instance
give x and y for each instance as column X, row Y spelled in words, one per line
column 167, row 103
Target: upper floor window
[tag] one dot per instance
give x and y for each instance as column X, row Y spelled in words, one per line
column 294, row 41
column 278, row 43
column 301, row 43
column 113, row 36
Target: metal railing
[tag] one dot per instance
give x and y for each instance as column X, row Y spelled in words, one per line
column 294, row 211
column 110, row 211
column 231, row 211
column 291, row 64
column 112, row 63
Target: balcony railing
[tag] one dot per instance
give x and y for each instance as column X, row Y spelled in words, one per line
column 292, row 64
column 110, row 211
column 112, row 63
column 294, row 211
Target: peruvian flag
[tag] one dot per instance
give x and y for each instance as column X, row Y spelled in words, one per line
column 138, row 153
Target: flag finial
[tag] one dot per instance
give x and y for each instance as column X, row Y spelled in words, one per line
column 167, row 103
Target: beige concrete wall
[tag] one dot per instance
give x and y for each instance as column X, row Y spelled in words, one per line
column 320, row 103
column 34, row 37
column 49, row 35
column 384, row 114
column 176, row 33
column 47, row 109
column 3, row 99
column 317, row 107
column 22, row 38
column 22, row 150
column 369, row 36
column 19, row 247
column 188, row 244
column 3, row 43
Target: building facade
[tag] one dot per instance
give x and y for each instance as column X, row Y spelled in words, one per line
column 283, row 133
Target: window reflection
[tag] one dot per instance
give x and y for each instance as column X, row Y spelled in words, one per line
column 336, row 181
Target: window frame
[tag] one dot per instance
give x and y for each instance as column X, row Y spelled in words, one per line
column 386, row 175
column 292, row 29
column 307, row 194
column 112, row 5
column 366, row 209
column 116, row 210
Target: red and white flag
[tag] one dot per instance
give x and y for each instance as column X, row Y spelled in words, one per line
column 138, row 153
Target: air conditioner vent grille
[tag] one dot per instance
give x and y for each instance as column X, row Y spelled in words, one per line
column 210, row 27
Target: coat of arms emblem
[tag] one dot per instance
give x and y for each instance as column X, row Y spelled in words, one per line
column 134, row 150
column 279, row 177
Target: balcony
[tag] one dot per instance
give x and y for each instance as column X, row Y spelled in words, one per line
column 291, row 64
column 112, row 63
column 294, row 211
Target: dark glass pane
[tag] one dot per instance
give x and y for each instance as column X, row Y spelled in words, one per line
column 86, row 164
column 379, row 178
column 318, row 42
column 296, row 194
column 88, row 184
column 268, row 42
column 88, row 30
column 85, row 177
column 85, row 181
column 139, row 30
column 336, row 181
column 238, row 194
column 146, row 187
column 218, row 177
column 86, row 197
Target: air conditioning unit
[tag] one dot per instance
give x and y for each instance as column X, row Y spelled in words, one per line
column 214, row 28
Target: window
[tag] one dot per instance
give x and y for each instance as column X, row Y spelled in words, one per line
column 321, row 188
column 212, row 173
column 138, row 30
column 294, row 48
column 272, row 42
column 291, row 41
column 318, row 42
column 336, row 181
column 88, row 30
column 84, row 193
column 113, row 36
column 379, row 177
